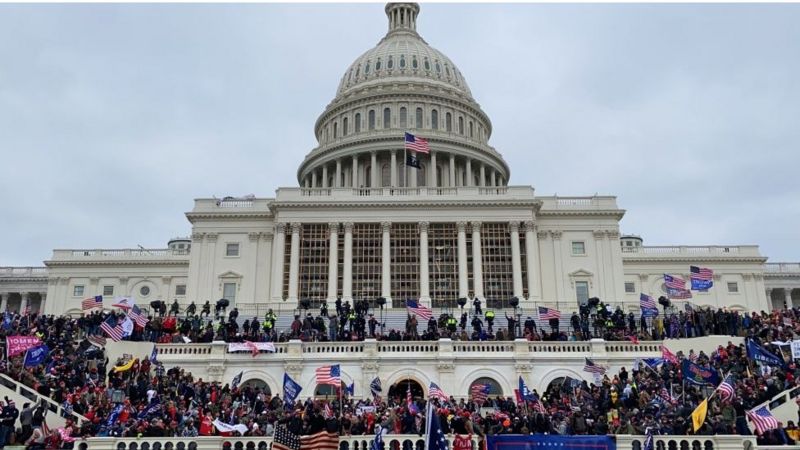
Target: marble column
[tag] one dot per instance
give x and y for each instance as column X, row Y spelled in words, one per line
column 393, row 176
column 424, row 271
column 463, row 275
column 314, row 178
column 469, row 173
column 434, row 176
column 452, row 170
column 354, row 176
column 3, row 302
column 42, row 303
column 24, row 299
column 477, row 266
column 333, row 261
column 483, row 175
column 294, row 262
column 373, row 164
column 493, row 179
column 386, row 262
column 788, row 294
column 532, row 260
column 278, row 245
column 516, row 260
column 347, row 275
column 325, row 176
column 338, row 181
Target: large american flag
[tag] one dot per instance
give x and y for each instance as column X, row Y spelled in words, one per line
column 480, row 392
column 672, row 282
column 419, row 309
column 136, row 315
column 763, row 419
column 667, row 355
column 112, row 328
column 436, row 392
column 548, row 313
column 285, row 439
column 726, row 390
column 701, row 273
column 91, row 303
column 592, row 367
column 679, row 294
column 329, row 375
column 666, row 396
column 647, row 302
column 416, row 144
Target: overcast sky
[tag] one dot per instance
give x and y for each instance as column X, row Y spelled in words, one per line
column 113, row 118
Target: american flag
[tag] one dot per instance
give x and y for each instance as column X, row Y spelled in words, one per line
column 647, row 302
column 98, row 341
column 701, row 273
column 666, row 396
column 674, row 282
column 480, row 392
column 376, row 388
column 137, row 316
column 112, row 328
column 123, row 302
column 725, row 388
column 436, row 392
column 419, row 309
column 329, row 375
column 327, row 411
column 679, row 294
column 763, row 420
column 667, row 355
column 592, row 367
column 538, row 406
column 416, row 144
column 91, row 303
column 412, row 407
column 27, row 309
column 548, row 313
column 319, row 441
column 285, row 439
column 693, row 356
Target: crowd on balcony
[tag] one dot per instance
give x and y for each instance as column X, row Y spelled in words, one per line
column 144, row 398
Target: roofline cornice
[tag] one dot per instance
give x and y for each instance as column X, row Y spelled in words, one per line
column 413, row 204
column 118, row 262
column 192, row 216
column 684, row 258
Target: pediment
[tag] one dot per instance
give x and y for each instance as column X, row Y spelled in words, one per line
column 230, row 274
column 581, row 273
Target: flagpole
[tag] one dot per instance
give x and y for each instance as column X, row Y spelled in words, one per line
column 405, row 162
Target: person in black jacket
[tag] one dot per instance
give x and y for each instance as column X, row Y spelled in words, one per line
column 8, row 419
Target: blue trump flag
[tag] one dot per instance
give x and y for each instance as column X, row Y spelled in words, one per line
column 434, row 436
column 114, row 415
column 36, row 356
column 526, row 442
column 762, row 355
column 699, row 375
column 290, row 389
column 524, row 392
column 153, row 408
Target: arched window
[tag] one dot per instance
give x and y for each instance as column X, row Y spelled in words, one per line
column 460, row 125
column 427, row 64
column 371, row 119
column 418, row 118
column 414, row 64
column 390, row 63
column 402, row 61
column 403, row 118
column 357, row 123
column 387, row 117
column 335, row 130
column 435, row 119
column 494, row 386
column 386, row 175
column 366, row 68
column 470, row 128
column 448, row 122
column 378, row 65
column 344, row 126
column 438, row 67
column 326, row 134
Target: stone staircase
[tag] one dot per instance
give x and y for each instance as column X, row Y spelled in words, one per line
column 22, row 394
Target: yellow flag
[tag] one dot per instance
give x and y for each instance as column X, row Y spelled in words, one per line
column 699, row 415
column 125, row 367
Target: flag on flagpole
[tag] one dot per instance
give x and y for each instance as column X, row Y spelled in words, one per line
column 548, row 313
column 154, row 354
column 676, row 287
column 480, row 392
column 667, row 355
column 376, row 388
column 416, row 144
column 412, row 161
column 112, row 328
column 97, row 341
column 123, row 302
column 329, row 375
column 419, row 309
column 350, row 389
column 699, row 415
column 763, row 419
column 726, row 390
column 434, row 436
column 434, row 391
column 524, row 392
column 701, row 278
column 91, row 303
column 592, row 367
column 236, row 380
column 135, row 314
column 412, row 407
column 377, row 443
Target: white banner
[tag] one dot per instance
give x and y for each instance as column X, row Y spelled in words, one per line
column 248, row 346
column 225, row 428
column 795, row 349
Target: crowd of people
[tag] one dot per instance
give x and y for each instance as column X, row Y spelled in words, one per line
column 361, row 320
column 147, row 399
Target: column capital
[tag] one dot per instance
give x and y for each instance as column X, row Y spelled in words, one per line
column 462, row 226
column 556, row 234
column 423, row 226
column 211, row 237
column 530, row 225
column 513, row 226
column 198, row 237
column 280, row 228
column 386, row 226
column 476, row 227
column 612, row 234
column 296, row 226
column 599, row 234
column 542, row 234
column 333, row 227
column 253, row 236
column 348, row 227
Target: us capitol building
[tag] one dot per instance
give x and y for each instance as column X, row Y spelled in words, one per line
column 362, row 224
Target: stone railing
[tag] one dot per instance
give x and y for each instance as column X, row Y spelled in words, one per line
column 35, row 398
column 119, row 254
column 686, row 250
column 391, row 442
column 207, row 205
column 783, row 267
column 402, row 193
column 23, row 272
column 596, row 202
column 410, row 441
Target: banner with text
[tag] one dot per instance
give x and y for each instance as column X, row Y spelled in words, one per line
column 248, row 346
column 527, row 442
column 17, row 345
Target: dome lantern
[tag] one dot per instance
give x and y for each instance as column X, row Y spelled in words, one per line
column 402, row 16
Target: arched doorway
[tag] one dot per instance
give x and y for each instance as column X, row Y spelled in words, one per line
column 329, row 391
column 257, row 385
column 400, row 389
column 495, row 389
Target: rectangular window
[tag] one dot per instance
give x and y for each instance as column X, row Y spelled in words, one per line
column 108, row 290
column 733, row 287
column 77, row 291
column 314, row 255
column 630, row 287
column 180, row 289
column 232, row 250
column 582, row 292
column 229, row 292
column 578, row 248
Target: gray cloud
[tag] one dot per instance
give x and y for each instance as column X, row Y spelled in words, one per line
column 114, row 117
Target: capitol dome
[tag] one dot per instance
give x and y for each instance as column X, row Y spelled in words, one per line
column 402, row 85
column 402, row 56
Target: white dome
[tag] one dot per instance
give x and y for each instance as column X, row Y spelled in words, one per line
column 402, row 55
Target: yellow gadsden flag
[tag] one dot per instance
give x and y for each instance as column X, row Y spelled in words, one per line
column 699, row 415
column 130, row 364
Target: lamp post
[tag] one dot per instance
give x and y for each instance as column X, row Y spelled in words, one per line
column 515, row 303
column 381, row 302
